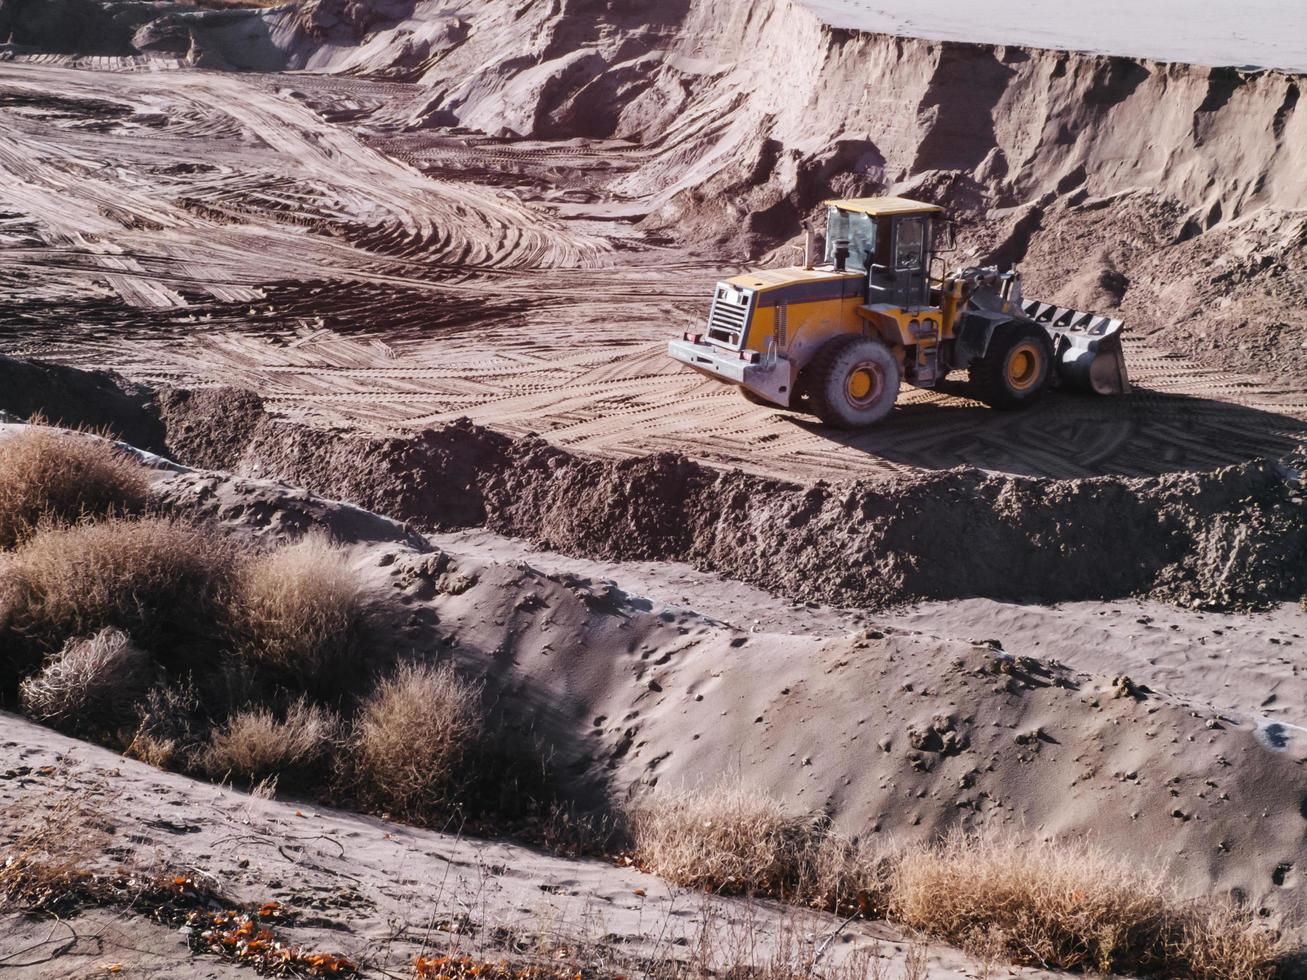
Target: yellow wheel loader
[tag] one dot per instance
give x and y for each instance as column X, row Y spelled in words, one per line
column 839, row 338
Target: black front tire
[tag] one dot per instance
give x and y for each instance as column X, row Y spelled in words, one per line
column 852, row 382
column 1016, row 368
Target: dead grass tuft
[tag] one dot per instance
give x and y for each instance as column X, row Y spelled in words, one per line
column 729, row 838
column 172, row 728
column 410, row 737
column 1052, row 905
column 732, row 839
column 299, row 610
column 48, row 476
column 1071, row 907
column 255, row 745
column 155, row 578
column 91, row 687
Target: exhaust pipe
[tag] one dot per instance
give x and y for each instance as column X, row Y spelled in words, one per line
column 807, row 247
column 841, row 254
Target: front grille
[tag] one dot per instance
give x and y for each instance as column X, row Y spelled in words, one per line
column 728, row 320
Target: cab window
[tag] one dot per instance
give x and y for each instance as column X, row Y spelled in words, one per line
column 859, row 229
column 910, row 247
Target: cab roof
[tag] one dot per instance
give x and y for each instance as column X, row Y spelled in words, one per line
column 879, row 207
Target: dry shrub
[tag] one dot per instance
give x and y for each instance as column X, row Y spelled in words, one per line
column 1059, row 906
column 91, row 687
column 255, row 745
column 735, row 840
column 299, row 610
column 728, row 837
column 156, row 578
column 48, row 476
column 172, row 728
column 410, row 737
column 1069, row 906
column 162, row 753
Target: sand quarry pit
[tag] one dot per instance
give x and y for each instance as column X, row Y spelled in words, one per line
column 404, row 272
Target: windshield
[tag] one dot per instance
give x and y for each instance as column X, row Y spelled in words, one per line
column 860, row 231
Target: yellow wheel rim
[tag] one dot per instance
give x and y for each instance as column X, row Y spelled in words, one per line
column 864, row 384
column 1023, row 367
column 860, row 382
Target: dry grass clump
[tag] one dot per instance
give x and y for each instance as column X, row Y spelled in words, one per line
column 153, row 577
column 299, row 610
column 1057, row 906
column 91, row 686
column 728, row 838
column 255, row 745
column 172, row 728
column 1068, row 906
column 410, row 737
column 732, row 839
column 50, row 476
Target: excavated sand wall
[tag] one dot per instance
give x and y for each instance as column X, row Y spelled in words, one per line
column 1021, row 122
column 763, row 93
column 1236, row 536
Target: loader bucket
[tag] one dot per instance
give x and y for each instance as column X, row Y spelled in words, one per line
column 1086, row 347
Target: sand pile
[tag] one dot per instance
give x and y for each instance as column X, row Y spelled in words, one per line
column 893, row 733
column 1233, row 537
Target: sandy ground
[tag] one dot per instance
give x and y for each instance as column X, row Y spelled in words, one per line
column 377, row 892
column 640, row 675
column 1255, row 33
column 501, row 300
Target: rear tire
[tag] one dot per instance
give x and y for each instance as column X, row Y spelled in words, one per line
column 852, row 382
column 1016, row 369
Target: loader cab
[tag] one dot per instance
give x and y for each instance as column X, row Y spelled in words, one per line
column 891, row 239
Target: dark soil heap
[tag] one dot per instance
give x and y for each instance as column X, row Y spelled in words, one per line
column 1233, row 537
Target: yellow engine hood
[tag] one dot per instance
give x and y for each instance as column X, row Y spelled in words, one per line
column 768, row 280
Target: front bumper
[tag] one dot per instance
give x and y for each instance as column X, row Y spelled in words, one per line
column 770, row 380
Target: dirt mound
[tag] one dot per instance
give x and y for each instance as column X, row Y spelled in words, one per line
column 92, row 399
column 1236, row 536
column 270, row 510
column 899, row 736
